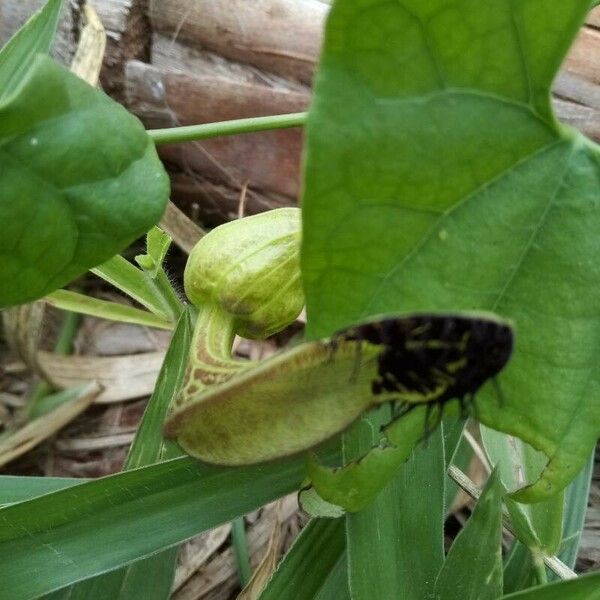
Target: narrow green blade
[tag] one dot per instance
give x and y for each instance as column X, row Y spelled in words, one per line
column 586, row 587
column 151, row 578
column 104, row 524
column 19, row 489
column 396, row 543
column 35, row 37
column 576, row 504
column 305, row 571
column 473, row 568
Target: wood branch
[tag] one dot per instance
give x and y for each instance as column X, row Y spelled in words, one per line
column 279, row 36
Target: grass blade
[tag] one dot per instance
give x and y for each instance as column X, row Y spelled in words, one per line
column 151, row 578
column 305, row 571
column 19, row 489
column 473, row 568
column 586, row 587
column 86, row 305
column 396, row 543
column 99, row 526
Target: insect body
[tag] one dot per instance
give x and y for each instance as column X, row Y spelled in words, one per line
column 434, row 358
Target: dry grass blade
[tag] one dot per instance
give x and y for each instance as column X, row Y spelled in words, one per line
column 22, row 327
column 268, row 563
column 122, row 377
column 89, row 444
column 90, row 50
column 182, row 230
column 218, row 578
column 40, row 429
column 198, row 552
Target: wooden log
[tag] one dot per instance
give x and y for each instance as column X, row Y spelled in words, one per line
column 186, row 86
column 584, row 56
column 125, row 21
column 129, row 37
column 266, row 161
column 279, row 36
column 213, row 203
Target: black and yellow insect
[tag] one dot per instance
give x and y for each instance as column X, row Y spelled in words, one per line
column 308, row 393
column 434, row 358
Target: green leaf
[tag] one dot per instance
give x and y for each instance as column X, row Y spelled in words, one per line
column 114, row 311
column 520, row 569
column 459, row 453
column 149, row 446
column 539, row 525
column 80, row 181
column 35, row 37
column 576, row 504
column 306, row 570
column 157, row 246
column 107, row 523
column 336, row 585
column 586, row 587
column 356, row 484
column 473, row 568
column 151, row 578
column 126, row 277
column 436, row 178
column 18, row 489
column 382, row 554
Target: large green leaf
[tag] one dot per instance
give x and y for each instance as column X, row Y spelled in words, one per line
column 35, row 37
column 80, row 180
column 473, row 568
column 104, row 524
column 438, row 179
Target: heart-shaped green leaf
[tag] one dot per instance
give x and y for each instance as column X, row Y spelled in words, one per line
column 80, row 180
column 437, row 178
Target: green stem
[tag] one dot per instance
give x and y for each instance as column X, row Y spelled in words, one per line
column 63, row 347
column 539, row 568
column 175, row 135
column 240, row 549
column 168, row 293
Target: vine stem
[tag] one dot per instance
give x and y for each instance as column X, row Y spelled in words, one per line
column 190, row 133
column 552, row 562
column 240, row 550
